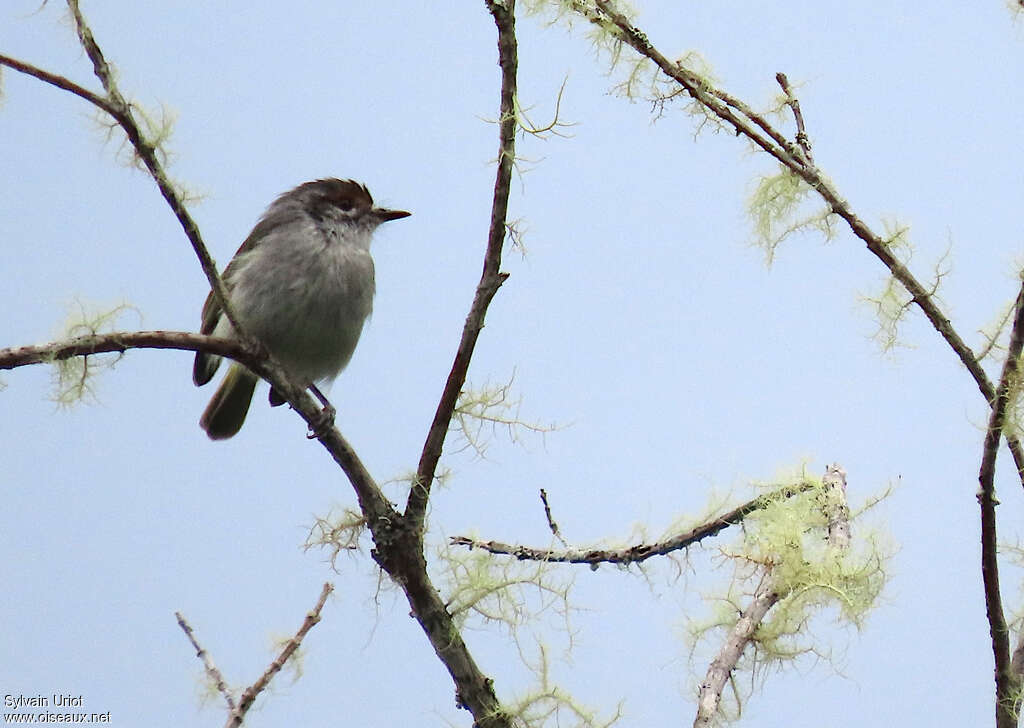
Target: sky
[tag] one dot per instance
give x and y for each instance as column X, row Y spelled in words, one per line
column 639, row 319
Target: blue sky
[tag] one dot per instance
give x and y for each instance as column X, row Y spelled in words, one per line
column 640, row 318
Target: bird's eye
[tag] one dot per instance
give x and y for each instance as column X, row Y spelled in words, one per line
column 346, row 204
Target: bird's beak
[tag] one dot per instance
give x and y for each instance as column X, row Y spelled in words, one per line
column 385, row 215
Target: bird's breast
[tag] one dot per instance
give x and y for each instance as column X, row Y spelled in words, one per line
column 307, row 301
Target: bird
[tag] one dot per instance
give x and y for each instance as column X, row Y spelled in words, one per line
column 302, row 284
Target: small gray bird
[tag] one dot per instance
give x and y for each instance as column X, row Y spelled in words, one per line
column 302, row 283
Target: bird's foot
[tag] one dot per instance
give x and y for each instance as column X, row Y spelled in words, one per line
column 325, row 420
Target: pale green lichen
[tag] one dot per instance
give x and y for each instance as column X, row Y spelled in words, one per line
column 784, row 545
column 484, row 588
column 74, row 379
column 891, row 304
column 779, row 208
column 481, row 412
column 336, row 533
column 547, row 703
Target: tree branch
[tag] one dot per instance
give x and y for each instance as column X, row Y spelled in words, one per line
column 836, row 509
column 729, row 109
column 490, row 279
column 212, row 672
column 758, row 130
column 252, row 692
column 399, row 542
column 120, row 110
column 552, row 526
column 639, row 552
column 1008, row 679
column 766, row 596
column 236, row 712
column 121, row 341
column 802, row 140
column 374, row 505
column 59, row 81
column 709, row 695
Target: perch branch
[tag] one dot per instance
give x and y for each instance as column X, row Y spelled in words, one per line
column 120, row 342
column 371, row 500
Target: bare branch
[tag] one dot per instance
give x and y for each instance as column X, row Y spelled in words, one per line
column 398, row 538
column 252, row 692
column 744, row 120
column 710, row 693
column 639, row 552
column 59, row 81
column 754, row 127
column 769, row 592
column 374, row 505
column 237, row 711
column 551, row 521
column 122, row 341
column 491, row 278
column 1008, row 681
column 211, row 669
column 802, row 140
column 121, row 110
column 552, row 127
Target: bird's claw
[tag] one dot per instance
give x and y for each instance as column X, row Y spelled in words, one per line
column 324, row 421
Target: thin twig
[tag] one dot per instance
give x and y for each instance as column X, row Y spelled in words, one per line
column 211, row 669
column 729, row 109
column 802, row 140
column 639, row 552
column 551, row 521
column 251, row 693
column 236, row 712
column 59, row 81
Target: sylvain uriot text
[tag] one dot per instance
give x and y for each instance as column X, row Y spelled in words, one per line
column 56, row 700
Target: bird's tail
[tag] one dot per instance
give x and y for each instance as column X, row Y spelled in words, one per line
column 226, row 412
